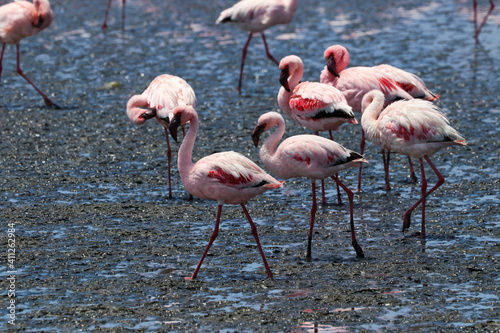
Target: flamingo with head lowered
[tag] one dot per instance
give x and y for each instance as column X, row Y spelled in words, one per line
column 20, row 19
column 163, row 94
column 227, row 177
column 310, row 156
column 256, row 16
column 415, row 128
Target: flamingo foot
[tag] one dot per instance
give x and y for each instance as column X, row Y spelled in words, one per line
column 189, row 278
column 387, row 187
column 406, row 221
column 357, row 248
column 51, row 104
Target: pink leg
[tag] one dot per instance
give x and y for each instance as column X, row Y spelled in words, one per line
column 361, row 151
column 256, row 236
column 423, row 190
column 104, row 24
column 323, row 196
column 478, row 28
column 123, row 15
column 48, row 102
column 339, row 198
column 407, row 216
column 267, row 50
column 413, row 177
column 386, row 168
column 1, row 60
column 215, row 233
column 311, row 226
column 350, row 195
column 243, row 56
column 169, row 163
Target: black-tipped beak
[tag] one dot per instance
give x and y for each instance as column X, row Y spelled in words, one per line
column 332, row 66
column 285, row 73
column 256, row 133
column 151, row 113
column 174, row 125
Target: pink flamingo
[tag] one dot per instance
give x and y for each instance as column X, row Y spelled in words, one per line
column 256, row 16
column 163, row 94
column 309, row 156
column 355, row 82
column 22, row 19
column 415, row 128
column 228, row 177
column 314, row 105
column 477, row 28
column 104, row 24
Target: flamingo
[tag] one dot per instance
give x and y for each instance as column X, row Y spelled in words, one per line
column 104, row 24
column 228, row 177
column 163, row 94
column 355, row 82
column 256, row 16
column 415, row 128
column 20, row 19
column 310, row 156
column 314, row 105
column 477, row 28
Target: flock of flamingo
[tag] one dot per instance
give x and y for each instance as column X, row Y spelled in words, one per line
column 396, row 108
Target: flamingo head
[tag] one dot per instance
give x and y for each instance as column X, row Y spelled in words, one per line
column 181, row 115
column 45, row 16
column 265, row 122
column 337, row 58
column 285, row 74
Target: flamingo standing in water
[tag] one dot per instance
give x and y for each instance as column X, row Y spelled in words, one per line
column 256, row 16
column 477, row 28
column 163, row 94
column 415, row 128
column 309, row 156
column 104, row 24
column 314, row 105
column 228, row 177
column 22, row 19
column 355, row 82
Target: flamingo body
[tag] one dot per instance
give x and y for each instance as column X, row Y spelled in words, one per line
column 310, row 156
column 314, row 105
column 416, row 128
column 227, row 177
column 22, row 19
column 159, row 99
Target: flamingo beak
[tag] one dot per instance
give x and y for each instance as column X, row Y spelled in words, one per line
column 148, row 114
column 285, row 73
column 331, row 65
column 256, row 133
column 174, row 125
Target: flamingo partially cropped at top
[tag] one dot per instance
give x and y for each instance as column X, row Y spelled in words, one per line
column 20, row 19
column 310, row 156
column 314, row 105
column 355, row 82
column 227, row 177
column 478, row 27
column 105, row 24
column 415, row 128
column 256, row 16
column 162, row 95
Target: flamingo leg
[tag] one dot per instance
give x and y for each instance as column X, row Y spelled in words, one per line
column 311, row 226
column 323, row 196
column 47, row 100
column 413, row 177
column 123, row 15
column 267, row 50
column 407, row 216
column 214, row 235
column 423, row 189
column 104, row 24
column 256, row 236
column 362, row 150
column 1, row 60
column 478, row 28
column 169, row 163
column 339, row 198
column 386, row 168
column 243, row 56
column 350, row 195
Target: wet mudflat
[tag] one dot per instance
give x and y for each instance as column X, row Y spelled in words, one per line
column 100, row 247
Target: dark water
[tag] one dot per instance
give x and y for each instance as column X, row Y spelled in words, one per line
column 99, row 247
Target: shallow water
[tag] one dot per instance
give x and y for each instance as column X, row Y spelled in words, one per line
column 100, row 247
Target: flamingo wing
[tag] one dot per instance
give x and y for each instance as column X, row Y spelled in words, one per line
column 255, row 15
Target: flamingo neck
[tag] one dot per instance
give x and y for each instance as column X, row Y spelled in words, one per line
column 371, row 109
column 137, row 105
column 284, row 95
column 184, row 159
column 268, row 150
